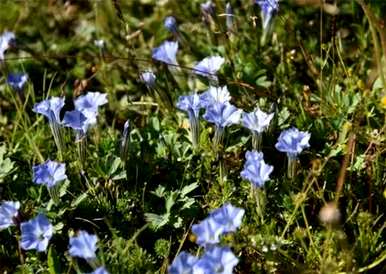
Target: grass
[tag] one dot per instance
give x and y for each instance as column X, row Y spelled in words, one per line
column 321, row 72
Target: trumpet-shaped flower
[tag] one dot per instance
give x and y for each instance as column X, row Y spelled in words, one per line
column 190, row 103
column 100, row 270
column 222, row 115
column 6, row 40
column 209, row 66
column 215, row 95
column 88, row 104
column 256, row 170
column 183, row 264
column 36, row 233
column 49, row 173
column 166, row 53
column 83, row 245
column 8, row 211
column 17, row 80
column 208, row 232
column 257, row 121
column 170, row 24
column 148, row 78
column 292, row 141
column 268, row 7
column 50, row 108
column 228, row 216
column 76, row 120
column 254, row 156
column 218, row 260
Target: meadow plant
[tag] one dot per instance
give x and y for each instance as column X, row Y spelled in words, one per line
column 166, row 53
column 36, row 233
column 209, row 67
column 83, row 245
column 17, row 81
column 170, row 24
column 257, row 122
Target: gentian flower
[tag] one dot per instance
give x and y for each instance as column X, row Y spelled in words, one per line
column 36, row 233
column 6, row 40
column 208, row 232
column 191, row 104
column 222, row 115
column 8, row 211
column 76, row 120
column 256, row 170
column 83, row 245
column 228, row 216
column 50, row 108
column 268, row 8
column 209, row 66
column 183, row 264
column 125, row 141
column 88, row 104
column 215, row 95
column 17, row 81
column 170, row 24
column 257, row 122
column 100, row 270
column 207, row 10
column 229, row 16
column 292, row 141
column 49, row 173
column 219, row 260
column 166, row 53
column 148, row 78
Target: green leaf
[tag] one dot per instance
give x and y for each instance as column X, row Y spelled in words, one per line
column 187, row 189
column 53, row 261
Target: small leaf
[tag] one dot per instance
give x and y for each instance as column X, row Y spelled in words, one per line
column 53, row 261
column 187, row 189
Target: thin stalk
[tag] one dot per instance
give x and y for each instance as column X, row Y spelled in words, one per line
column 257, row 138
column 194, row 129
column 291, row 167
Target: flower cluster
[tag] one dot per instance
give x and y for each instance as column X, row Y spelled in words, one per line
column 216, row 259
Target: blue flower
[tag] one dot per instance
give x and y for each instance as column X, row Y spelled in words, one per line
column 76, row 120
column 170, row 24
column 292, row 141
column 8, row 211
column 209, row 66
column 257, row 121
column 256, row 170
column 190, row 103
column 222, row 115
column 207, row 8
column 36, row 233
column 148, row 78
column 100, row 270
column 208, row 232
column 183, row 264
column 215, row 95
column 268, row 7
column 83, row 245
column 228, row 216
column 49, row 173
column 166, row 53
column 50, row 108
column 17, row 80
column 88, row 104
column 6, row 40
column 216, row 260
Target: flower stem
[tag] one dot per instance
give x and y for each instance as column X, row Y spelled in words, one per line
column 81, row 146
column 257, row 138
column 58, row 138
column 291, row 167
column 194, row 129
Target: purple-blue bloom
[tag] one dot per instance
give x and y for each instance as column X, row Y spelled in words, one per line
column 170, row 24
column 268, row 7
column 207, row 8
column 49, row 173
column 257, row 121
column 17, row 80
column 183, row 264
column 100, row 270
column 292, row 141
column 229, row 216
column 216, row 260
column 222, row 115
column 6, row 40
column 83, row 245
column 36, row 233
column 190, row 103
column 88, row 104
column 215, row 95
column 209, row 66
column 256, row 170
column 8, row 211
column 50, row 108
column 166, row 53
column 76, row 120
column 148, row 78
column 208, row 232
